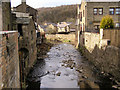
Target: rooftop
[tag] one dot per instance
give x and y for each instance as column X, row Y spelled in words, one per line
column 20, row 14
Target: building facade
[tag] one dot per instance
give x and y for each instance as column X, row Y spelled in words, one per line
column 27, row 9
column 27, row 42
column 5, row 15
column 9, row 60
column 91, row 13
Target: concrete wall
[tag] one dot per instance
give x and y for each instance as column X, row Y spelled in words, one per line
column 113, row 35
column 9, row 61
column 91, row 40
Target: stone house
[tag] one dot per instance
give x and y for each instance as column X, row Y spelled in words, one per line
column 50, row 27
column 91, row 12
column 27, row 42
column 23, row 7
column 63, row 27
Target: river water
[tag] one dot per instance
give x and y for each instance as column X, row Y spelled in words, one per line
column 64, row 67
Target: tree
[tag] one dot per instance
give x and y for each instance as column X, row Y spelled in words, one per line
column 107, row 22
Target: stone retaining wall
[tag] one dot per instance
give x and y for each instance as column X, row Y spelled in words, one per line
column 62, row 37
column 105, row 57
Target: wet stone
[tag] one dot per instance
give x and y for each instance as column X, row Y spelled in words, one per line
column 58, row 74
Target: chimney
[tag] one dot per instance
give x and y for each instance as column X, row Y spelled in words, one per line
column 24, row 1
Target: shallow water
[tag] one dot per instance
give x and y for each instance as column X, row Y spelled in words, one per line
column 63, row 68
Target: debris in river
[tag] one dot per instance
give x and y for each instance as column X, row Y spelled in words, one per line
column 58, row 74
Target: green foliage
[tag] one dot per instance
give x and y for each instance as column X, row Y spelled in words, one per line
column 107, row 22
column 57, row 14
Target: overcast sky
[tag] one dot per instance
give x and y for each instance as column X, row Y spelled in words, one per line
column 45, row 3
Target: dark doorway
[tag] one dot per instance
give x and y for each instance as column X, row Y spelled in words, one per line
column 20, row 29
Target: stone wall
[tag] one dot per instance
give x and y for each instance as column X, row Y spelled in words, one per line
column 0, row 16
column 62, row 37
column 9, row 60
column 104, row 57
column 27, row 49
column 90, row 22
column 113, row 35
column 6, row 16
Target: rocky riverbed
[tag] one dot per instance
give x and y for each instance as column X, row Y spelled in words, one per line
column 64, row 67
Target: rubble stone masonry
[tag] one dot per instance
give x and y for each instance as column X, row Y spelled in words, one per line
column 105, row 57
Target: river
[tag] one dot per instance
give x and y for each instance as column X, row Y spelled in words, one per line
column 63, row 67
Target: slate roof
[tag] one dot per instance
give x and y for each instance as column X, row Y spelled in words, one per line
column 64, row 24
column 52, row 24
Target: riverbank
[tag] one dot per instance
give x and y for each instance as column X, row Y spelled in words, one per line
column 55, row 58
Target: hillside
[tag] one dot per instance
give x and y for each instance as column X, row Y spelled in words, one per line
column 57, row 14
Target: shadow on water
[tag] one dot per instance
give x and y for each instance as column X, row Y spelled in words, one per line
column 33, row 78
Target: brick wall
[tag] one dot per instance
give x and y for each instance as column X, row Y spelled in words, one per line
column 9, row 60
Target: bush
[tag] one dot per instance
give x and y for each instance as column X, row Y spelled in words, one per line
column 107, row 22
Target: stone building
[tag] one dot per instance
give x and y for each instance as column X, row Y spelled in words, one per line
column 9, row 60
column 63, row 27
column 91, row 12
column 5, row 15
column 23, row 7
column 27, row 42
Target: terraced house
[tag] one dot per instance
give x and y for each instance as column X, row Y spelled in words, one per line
column 91, row 12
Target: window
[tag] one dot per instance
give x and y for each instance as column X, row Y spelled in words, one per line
column 27, row 9
column 20, row 30
column 111, row 11
column 100, row 11
column 117, row 25
column 117, row 11
column 80, row 16
column 32, row 35
column 97, row 27
column 95, row 11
